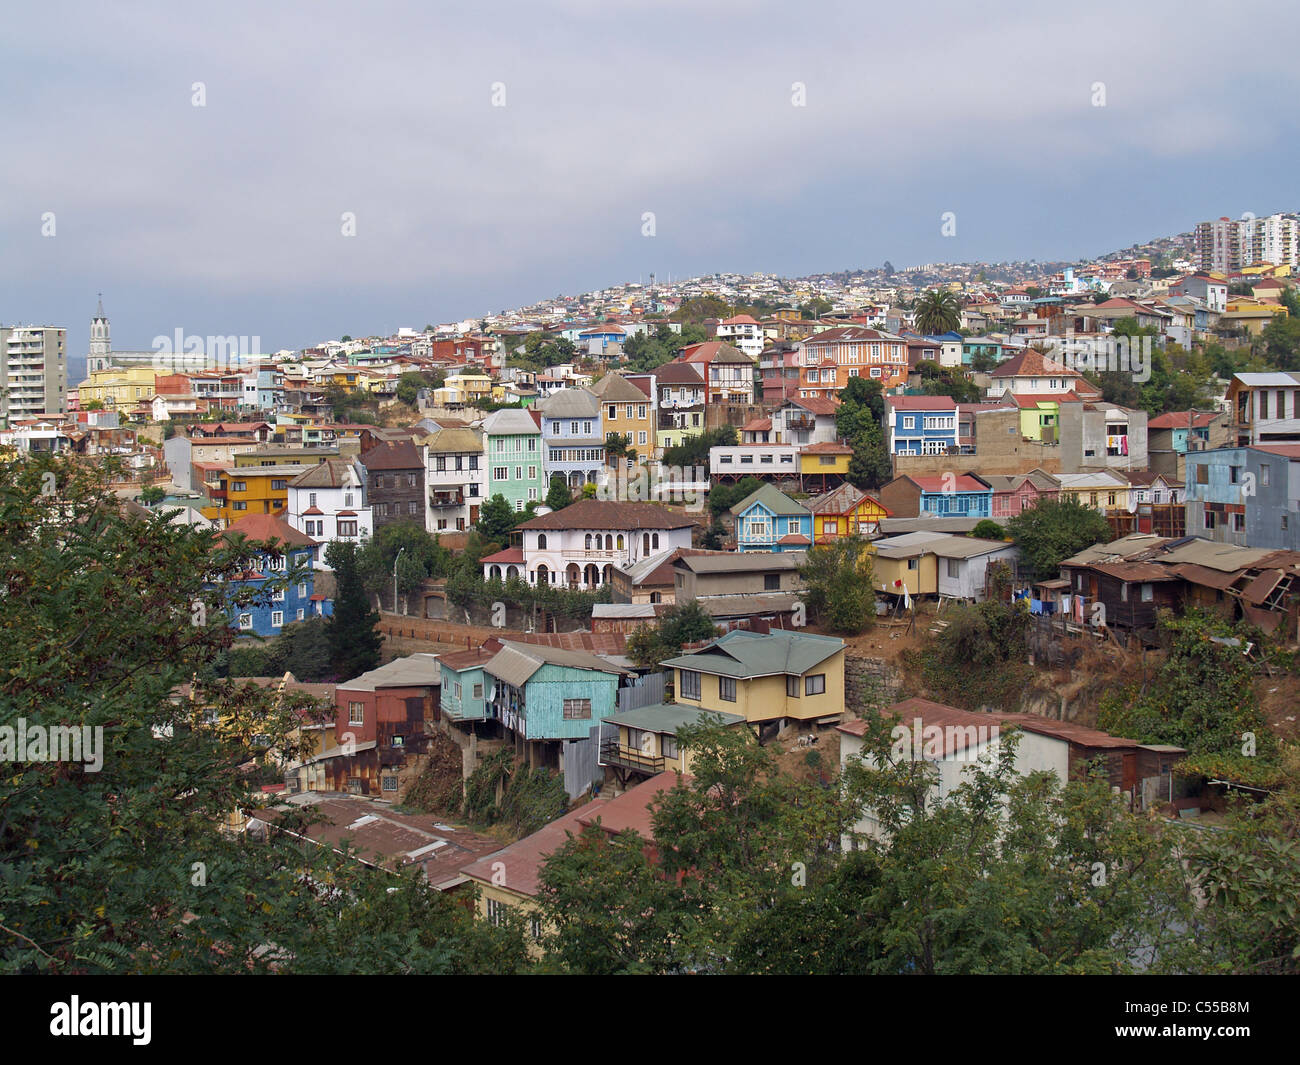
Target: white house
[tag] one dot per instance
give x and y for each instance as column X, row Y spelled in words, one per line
column 455, row 478
column 581, row 545
column 328, row 502
column 743, row 333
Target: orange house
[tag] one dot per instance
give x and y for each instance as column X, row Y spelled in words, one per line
column 846, row 511
column 833, row 356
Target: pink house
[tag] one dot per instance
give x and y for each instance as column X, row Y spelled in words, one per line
column 1020, row 492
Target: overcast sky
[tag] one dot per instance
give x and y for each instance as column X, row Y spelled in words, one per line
column 227, row 218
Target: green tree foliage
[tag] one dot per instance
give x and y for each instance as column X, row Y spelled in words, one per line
column 948, row 381
column 988, row 529
column 151, row 494
column 815, row 308
column 648, row 351
column 1053, row 531
column 723, row 497
column 354, row 642
column 698, row 308
column 980, row 658
column 129, row 869
column 503, row 791
column 559, row 496
column 1203, row 699
column 694, row 450
column 840, row 587
column 680, row 624
column 1279, row 343
column 542, row 350
column 417, row 555
column 496, row 518
column 302, row 648
column 937, row 311
column 859, row 422
column 410, row 384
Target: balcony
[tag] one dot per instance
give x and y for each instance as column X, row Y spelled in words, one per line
column 454, row 498
column 613, row 753
column 801, row 423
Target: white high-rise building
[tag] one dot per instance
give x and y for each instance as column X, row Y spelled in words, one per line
column 34, row 363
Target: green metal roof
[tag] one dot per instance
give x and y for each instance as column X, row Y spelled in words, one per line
column 744, row 654
column 667, row 718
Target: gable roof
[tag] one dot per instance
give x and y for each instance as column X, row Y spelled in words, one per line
column 615, row 389
column 402, row 455
column 843, row 499
column 570, row 403
column 515, row 663
column 773, row 499
column 744, row 654
column 267, row 527
column 609, row 514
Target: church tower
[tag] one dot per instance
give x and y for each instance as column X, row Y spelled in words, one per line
column 100, row 344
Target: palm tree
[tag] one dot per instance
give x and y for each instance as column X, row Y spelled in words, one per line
column 937, row 311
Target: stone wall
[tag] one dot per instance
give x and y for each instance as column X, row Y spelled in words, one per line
column 869, row 680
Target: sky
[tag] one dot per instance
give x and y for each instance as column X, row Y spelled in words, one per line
column 493, row 154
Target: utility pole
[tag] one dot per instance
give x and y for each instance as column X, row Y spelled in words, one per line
column 395, row 558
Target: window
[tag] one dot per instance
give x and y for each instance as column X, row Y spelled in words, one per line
column 496, row 912
column 909, row 422
column 532, row 473
column 500, row 473
column 277, row 618
column 535, row 927
column 1147, row 593
column 913, row 563
column 277, row 595
column 953, row 566
column 440, row 464
column 1263, row 475
column 727, row 689
column 815, row 685
column 668, row 746
column 577, row 709
column 792, row 687
column 1202, row 474
column 1239, row 523
column 1207, row 519
column 771, row 582
column 245, row 621
column 478, row 691
column 301, row 614
column 641, row 437
column 239, row 486
column 347, row 528
column 278, row 486
column 519, row 504
column 690, row 682
column 356, row 713
column 1234, row 475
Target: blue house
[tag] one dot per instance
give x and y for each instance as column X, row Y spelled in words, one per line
column 573, row 442
column 921, row 425
column 465, row 686
column 949, row 495
column 261, row 603
column 769, row 520
column 1246, row 496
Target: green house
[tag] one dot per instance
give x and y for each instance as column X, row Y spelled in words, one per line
column 548, row 694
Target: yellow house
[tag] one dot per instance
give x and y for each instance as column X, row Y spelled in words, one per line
column 647, row 739
column 822, row 464
column 1040, row 417
column 905, row 565
column 118, row 386
column 463, row 388
column 845, row 511
column 626, row 410
column 782, row 675
column 238, row 491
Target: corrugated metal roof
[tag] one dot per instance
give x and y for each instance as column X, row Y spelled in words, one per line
column 667, row 718
column 413, row 671
column 742, row 561
column 745, row 654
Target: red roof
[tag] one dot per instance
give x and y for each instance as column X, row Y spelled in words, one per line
column 1182, row 419
column 758, row 425
column 817, row 404
column 794, row 539
column 922, row 402
column 826, row 449
column 510, row 556
column 265, row 527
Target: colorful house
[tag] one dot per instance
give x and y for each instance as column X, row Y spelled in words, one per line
column 261, row 603
column 781, row 676
column 1016, row 493
column 824, row 465
column 921, row 425
column 948, row 495
column 845, row 511
column 769, row 520
column 647, row 739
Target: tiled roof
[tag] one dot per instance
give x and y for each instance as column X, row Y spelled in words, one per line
column 608, row 514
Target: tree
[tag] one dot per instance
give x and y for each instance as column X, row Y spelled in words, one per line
column 937, row 311
column 125, row 866
column 559, row 496
column 1055, row 529
column 840, row 587
column 815, row 308
column 496, row 518
column 409, row 386
column 151, row 494
column 93, row 404
column 355, row 643
column 988, row 529
column 680, row 624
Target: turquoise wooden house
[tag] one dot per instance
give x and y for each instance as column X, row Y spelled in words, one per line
column 548, row 698
column 464, row 685
column 769, row 520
